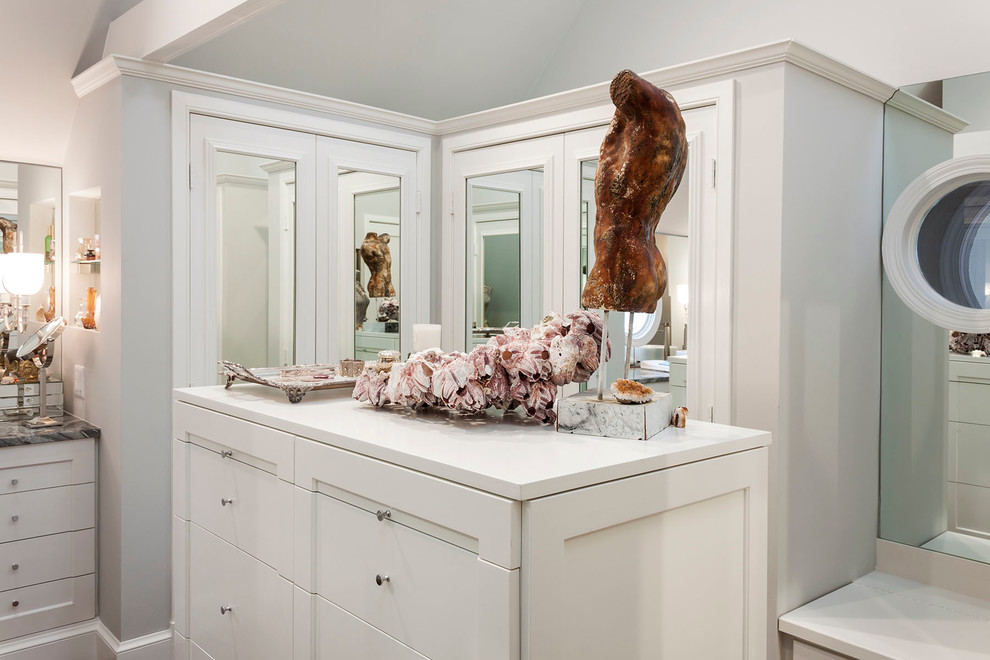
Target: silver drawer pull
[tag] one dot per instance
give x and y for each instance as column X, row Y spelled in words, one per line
column 382, row 579
column 226, row 453
column 15, row 603
column 382, row 515
column 224, row 609
column 14, row 482
column 15, row 517
column 14, row 567
column 224, row 501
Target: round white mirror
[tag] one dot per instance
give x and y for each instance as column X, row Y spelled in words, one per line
column 936, row 245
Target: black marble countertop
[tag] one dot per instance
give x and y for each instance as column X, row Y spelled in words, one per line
column 72, row 428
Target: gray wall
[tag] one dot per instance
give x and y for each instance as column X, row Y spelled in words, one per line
column 915, row 363
column 94, row 160
column 829, row 337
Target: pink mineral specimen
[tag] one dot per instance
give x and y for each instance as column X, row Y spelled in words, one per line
column 521, row 368
column 640, row 166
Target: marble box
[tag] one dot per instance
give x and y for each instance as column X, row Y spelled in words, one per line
column 584, row 414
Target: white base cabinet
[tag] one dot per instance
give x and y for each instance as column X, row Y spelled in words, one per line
column 47, row 536
column 621, row 549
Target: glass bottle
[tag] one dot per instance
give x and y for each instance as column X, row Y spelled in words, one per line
column 89, row 321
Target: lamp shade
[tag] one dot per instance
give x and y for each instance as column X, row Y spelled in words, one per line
column 682, row 294
column 23, row 273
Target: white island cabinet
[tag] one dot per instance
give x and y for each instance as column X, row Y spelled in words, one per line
column 331, row 530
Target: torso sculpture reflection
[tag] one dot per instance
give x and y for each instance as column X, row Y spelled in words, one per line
column 641, row 163
column 375, row 253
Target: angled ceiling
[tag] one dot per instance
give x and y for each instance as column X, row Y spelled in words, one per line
column 429, row 58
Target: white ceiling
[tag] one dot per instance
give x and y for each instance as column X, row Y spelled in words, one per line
column 45, row 42
column 429, row 58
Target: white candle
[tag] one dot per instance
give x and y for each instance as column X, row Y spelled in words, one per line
column 425, row 335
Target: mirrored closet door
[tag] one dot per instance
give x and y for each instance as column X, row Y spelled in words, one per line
column 505, row 251
column 367, row 208
column 252, row 246
column 302, row 248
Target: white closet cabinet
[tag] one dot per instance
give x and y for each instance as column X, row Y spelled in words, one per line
column 330, row 530
column 47, row 536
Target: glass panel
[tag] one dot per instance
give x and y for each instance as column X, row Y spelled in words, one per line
column 934, row 431
column 256, row 200
column 953, row 245
column 376, row 206
column 504, row 253
column 31, row 220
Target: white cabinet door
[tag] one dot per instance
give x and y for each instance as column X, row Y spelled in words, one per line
column 251, row 269
column 240, row 609
column 670, row 564
column 363, row 188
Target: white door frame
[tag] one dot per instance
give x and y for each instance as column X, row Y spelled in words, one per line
column 185, row 104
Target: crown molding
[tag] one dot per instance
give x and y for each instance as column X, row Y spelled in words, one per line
column 925, row 111
column 114, row 66
column 784, row 51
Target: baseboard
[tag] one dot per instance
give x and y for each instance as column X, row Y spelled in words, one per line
column 88, row 640
column 156, row 646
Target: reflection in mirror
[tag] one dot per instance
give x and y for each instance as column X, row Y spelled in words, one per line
column 256, row 226
column 372, row 202
column 953, row 245
column 663, row 334
column 935, row 409
column 31, row 215
column 504, row 265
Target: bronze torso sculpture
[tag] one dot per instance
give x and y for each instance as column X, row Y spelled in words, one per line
column 640, row 166
column 375, row 253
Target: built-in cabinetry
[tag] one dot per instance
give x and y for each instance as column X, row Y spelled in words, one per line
column 968, row 464
column 47, row 535
column 678, row 380
column 335, row 530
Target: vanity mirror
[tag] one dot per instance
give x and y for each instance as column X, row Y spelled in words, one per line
column 935, row 406
column 31, row 221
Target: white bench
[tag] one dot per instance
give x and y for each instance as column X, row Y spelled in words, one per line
column 884, row 617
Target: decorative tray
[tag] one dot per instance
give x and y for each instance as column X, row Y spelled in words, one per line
column 295, row 381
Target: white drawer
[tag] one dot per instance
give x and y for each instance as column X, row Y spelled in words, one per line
column 968, row 402
column 260, row 446
column 47, row 558
column 259, row 625
column 804, row 651
column 46, row 511
column 237, row 502
column 430, row 600
column 343, row 636
column 678, row 375
column 30, row 467
column 47, row 605
column 486, row 524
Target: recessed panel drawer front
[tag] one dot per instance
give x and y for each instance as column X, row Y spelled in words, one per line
column 341, row 635
column 237, row 502
column 32, row 477
column 47, row 605
column 240, row 609
column 47, row 465
column 969, row 402
column 428, row 592
column 46, row 558
column 47, row 511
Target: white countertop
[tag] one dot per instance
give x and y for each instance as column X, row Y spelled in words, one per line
column 512, row 456
column 884, row 617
